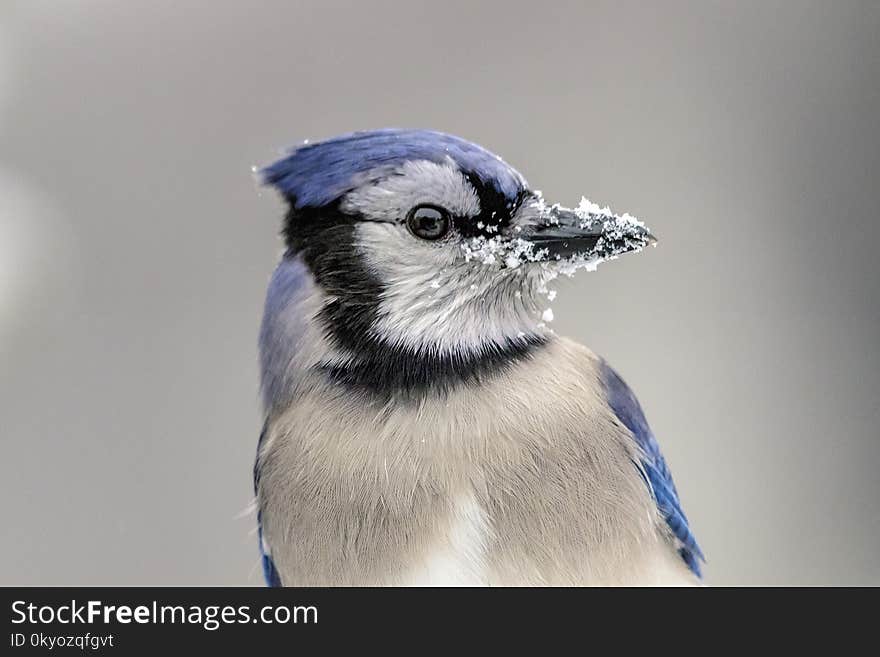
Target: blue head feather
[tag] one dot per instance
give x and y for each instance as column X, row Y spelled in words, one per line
column 314, row 175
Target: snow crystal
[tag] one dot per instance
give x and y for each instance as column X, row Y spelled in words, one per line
column 619, row 234
column 547, row 315
column 490, row 250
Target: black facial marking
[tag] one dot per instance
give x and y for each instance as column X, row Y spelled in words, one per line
column 325, row 239
column 496, row 209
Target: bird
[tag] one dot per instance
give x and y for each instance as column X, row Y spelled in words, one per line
column 422, row 424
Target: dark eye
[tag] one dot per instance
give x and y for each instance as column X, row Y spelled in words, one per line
column 428, row 222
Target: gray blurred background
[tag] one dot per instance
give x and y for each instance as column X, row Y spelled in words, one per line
column 135, row 249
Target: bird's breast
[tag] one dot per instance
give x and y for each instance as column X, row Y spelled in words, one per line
column 527, row 479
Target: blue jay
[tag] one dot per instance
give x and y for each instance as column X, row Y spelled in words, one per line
column 422, row 425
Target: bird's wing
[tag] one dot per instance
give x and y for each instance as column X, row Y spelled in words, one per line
column 269, row 571
column 653, row 466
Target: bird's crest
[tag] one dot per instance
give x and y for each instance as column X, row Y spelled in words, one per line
column 315, row 174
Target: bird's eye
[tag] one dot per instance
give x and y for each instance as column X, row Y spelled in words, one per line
column 428, row 222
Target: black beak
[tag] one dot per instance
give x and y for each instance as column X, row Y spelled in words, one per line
column 588, row 232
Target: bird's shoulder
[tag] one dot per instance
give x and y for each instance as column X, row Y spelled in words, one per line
column 652, row 464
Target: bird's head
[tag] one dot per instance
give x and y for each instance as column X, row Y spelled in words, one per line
column 425, row 242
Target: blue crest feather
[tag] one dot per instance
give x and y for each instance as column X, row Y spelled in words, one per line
column 314, row 175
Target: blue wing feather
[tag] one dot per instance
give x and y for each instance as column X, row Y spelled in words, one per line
column 653, row 466
column 270, row 573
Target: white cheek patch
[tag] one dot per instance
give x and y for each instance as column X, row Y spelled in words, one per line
column 414, row 183
column 434, row 299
